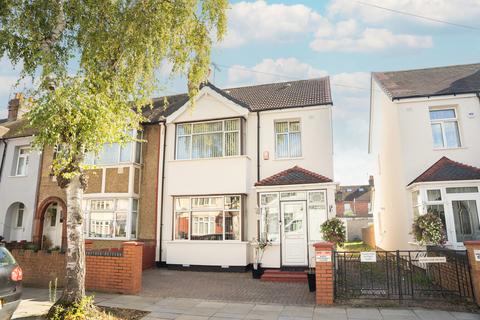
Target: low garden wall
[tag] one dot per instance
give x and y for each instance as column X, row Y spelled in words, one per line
column 116, row 271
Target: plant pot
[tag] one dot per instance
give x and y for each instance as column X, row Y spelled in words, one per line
column 257, row 273
column 312, row 285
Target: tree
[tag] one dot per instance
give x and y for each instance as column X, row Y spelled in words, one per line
column 116, row 47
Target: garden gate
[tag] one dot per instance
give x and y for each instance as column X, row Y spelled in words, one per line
column 403, row 275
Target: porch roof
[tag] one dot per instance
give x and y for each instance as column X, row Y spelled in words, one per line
column 446, row 169
column 295, row 175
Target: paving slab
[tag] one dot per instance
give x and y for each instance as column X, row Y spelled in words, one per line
column 364, row 313
column 423, row 314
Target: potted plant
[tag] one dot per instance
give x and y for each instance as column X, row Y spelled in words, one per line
column 259, row 245
column 428, row 229
column 333, row 230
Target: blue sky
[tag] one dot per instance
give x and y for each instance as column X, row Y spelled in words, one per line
column 272, row 41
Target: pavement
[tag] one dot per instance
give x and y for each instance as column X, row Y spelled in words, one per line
column 35, row 303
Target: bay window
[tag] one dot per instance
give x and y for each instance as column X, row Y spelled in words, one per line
column 111, row 218
column 210, row 139
column 445, row 131
column 288, row 139
column 208, row 218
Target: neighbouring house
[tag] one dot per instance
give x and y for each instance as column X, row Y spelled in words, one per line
column 353, row 204
column 424, row 138
column 19, row 172
column 244, row 162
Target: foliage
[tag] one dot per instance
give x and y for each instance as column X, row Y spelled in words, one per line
column 116, row 48
column 80, row 310
column 428, row 229
column 356, row 246
column 333, row 230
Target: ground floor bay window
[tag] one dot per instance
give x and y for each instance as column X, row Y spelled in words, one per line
column 111, row 219
column 205, row 218
column 457, row 205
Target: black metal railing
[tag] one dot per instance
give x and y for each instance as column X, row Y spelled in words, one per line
column 402, row 275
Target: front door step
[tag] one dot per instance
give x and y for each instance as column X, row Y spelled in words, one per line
column 276, row 275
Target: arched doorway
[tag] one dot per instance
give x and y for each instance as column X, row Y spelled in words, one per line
column 50, row 224
column 14, row 224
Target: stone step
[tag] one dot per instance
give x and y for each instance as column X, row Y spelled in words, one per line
column 274, row 275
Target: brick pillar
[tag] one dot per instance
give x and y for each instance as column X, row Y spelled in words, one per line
column 133, row 253
column 324, row 272
column 474, row 267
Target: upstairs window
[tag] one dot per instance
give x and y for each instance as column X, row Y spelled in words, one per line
column 288, row 139
column 445, row 131
column 115, row 153
column 21, row 161
column 210, row 139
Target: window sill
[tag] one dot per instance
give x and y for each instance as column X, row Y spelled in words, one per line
column 209, row 159
column 209, row 241
column 447, row 149
column 293, row 158
column 22, row 176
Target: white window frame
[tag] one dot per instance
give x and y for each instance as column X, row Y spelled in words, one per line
column 190, row 210
column 21, row 208
column 442, row 122
column 134, row 144
column 224, row 141
column 89, row 211
column 288, row 121
column 24, row 156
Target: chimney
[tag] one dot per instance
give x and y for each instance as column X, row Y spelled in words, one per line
column 14, row 107
column 371, row 182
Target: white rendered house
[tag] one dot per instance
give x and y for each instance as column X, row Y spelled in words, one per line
column 241, row 162
column 425, row 142
column 19, row 172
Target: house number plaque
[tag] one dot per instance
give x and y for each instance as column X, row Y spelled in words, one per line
column 323, row 256
column 432, row 259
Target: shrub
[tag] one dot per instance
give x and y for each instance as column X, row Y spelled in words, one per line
column 428, row 229
column 333, row 230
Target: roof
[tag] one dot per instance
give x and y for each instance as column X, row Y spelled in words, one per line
column 438, row 81
column 448, row 170
column 295, row 175
column 3, row 120
column 17, row 129
column 351, row 193
column 281, row 95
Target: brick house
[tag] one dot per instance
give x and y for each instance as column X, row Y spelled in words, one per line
column 353, row 201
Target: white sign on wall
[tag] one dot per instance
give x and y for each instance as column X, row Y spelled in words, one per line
column 432, row 259
column 476, row 253
column 323, row 256
column 368, row 256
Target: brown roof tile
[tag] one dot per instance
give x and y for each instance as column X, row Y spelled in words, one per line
column 295, row 175
column 448, row 170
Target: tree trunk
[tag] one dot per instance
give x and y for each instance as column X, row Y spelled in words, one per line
column 75, row 274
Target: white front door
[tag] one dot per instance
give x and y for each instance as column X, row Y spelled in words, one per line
column 52, row 227
column 294, row 233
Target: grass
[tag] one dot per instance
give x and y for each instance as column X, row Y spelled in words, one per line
column 355, row 246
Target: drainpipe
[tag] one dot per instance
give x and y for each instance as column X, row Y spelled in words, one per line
column 478, row 96
column 3, row 156
column 258, row 146
column 163, row 190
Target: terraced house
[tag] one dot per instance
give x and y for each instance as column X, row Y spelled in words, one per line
column 210, row 177
column 424, row 137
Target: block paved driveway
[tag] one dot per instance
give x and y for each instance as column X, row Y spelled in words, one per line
column 226, row 286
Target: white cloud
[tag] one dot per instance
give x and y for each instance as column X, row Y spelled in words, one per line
column 270, row 70
column 458, row 11
column 259, row 21
column 250, row 22
column 345, row 39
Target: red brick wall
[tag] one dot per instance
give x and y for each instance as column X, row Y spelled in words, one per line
column 359, row 208
column 324, row 274
column 116, row 271
column 148, row 260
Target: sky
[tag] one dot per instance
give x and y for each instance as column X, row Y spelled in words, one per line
column 283, row 40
